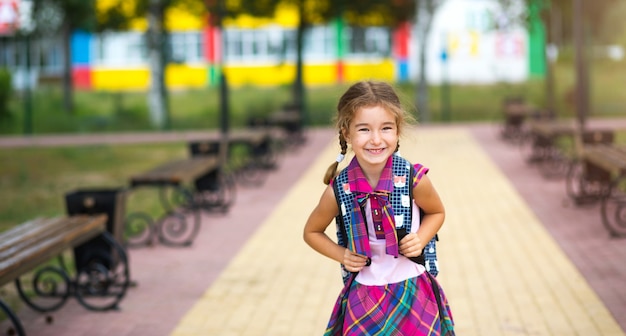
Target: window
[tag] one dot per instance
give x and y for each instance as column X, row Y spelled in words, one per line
column 266, row 45
column 48, row 56
column 185, row 47
column 368, row 42
column 319, row 43
column 120, row 49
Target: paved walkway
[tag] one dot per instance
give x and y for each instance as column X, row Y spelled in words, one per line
column 516, row 260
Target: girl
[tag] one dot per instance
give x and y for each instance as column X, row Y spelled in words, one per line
column 386, row 293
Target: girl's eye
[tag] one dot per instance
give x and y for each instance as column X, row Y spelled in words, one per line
column 362, row 129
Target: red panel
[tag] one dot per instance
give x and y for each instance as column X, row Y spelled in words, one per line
column 340, row 70
column 82, row 77
column 401, row 37
column 212, row 41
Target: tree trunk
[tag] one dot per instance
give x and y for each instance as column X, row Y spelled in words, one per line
column 68, row 85
column 422, row 96
column 298, row 88
column 582, row 77
column 423, row 16
column 157, row 94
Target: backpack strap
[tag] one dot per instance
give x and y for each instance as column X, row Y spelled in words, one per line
column 342, row 221
column 402, row 195
column 401, row 201
column 428, row 258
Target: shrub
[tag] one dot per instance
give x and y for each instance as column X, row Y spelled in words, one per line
column 5, row 92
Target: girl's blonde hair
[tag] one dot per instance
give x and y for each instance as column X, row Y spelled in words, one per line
column 365, row 94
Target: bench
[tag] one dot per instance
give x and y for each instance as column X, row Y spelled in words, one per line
column 177, row 184
column 26, row 247
column 515, row 111
column 601, row 175
column 585, row 182
column 543, row 145
column 290, row 121
column 251, row 165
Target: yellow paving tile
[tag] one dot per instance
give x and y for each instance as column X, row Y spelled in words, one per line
column 501, row 270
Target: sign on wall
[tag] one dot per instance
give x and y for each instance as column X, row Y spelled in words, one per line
column 9, row 16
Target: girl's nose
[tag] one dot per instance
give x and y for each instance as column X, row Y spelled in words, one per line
column 375, row 139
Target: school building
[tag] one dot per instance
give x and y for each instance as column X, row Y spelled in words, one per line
column 471, row 41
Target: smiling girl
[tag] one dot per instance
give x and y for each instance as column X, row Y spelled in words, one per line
column 385, row 292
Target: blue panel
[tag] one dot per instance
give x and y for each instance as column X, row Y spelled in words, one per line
column 80, row 45
column 402, row 71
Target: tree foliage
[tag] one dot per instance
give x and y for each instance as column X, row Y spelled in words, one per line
column 360, row 12
column 50, row 15
column 557, row 16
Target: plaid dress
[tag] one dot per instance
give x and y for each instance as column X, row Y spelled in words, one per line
column 407, row 307
column 399, row 309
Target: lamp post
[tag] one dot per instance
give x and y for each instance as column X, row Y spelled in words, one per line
column 224, row 92
column 445, row 87
column 582, row 77
column 28, row 100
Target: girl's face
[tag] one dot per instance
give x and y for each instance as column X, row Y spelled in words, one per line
column 373, row 134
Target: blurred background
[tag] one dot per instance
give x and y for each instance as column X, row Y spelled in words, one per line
column 75, row 66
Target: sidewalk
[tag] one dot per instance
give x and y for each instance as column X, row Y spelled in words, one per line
column 506, row 254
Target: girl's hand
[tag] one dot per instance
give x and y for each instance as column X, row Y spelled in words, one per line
column 410, row 245
column 353, row 262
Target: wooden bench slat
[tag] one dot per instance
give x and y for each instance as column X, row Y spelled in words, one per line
column 177, row 172
column 609, row 158
column 253, row 137
column 553, row 128
column 32, row 227
column 75, row 230
column 49, row 229
column 33, row 231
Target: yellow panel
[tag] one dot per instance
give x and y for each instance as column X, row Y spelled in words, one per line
column 259, row 75
column 279, row 75
column 120, row 79
column 381, row 70
column 320, row 74
column 182, row 76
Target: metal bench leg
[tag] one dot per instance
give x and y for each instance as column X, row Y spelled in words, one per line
column 613, row 208
column 139, row 229
column 103, row 283
column 49, row 289
column 582, row 186
column 220, row 196
column 179, row 227
column 19, row 329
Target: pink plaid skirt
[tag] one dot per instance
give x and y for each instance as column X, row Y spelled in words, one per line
column 404, row 308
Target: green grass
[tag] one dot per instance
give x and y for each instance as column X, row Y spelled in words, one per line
column 33, row 181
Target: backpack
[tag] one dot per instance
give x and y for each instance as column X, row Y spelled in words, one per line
column 400, row 168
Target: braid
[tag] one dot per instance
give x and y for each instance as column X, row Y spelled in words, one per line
column 332, row 169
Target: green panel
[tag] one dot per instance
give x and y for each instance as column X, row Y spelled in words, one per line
column 213, row 74
column 536, row 45
column 339, row 24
